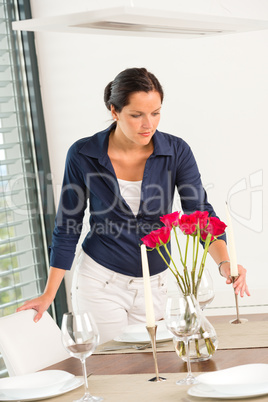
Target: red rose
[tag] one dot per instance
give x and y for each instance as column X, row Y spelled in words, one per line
column 149, row 241
column 170, row 219
column 204, row 235
column 201, row 218
column 157, row 237
column 216, row 227
column 187, row 224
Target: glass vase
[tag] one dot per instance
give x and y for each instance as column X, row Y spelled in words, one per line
column 202, row 345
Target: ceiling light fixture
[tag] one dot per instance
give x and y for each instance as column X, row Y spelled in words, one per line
column 141, row 22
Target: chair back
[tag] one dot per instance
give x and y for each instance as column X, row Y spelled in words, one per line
column 27, row 346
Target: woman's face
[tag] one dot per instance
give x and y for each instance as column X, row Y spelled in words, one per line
column 137, row 122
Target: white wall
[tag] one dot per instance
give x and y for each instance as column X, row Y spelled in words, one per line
column 216, row 95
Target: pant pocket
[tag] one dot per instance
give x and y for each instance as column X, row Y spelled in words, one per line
column 87, row 284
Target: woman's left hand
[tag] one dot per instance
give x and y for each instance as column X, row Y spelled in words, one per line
column 240, row 284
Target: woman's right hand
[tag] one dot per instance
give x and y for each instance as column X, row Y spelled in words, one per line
column 40, row 304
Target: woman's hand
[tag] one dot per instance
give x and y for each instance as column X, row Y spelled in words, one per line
column 240, row 284
column 40, row 304
column 218, row 251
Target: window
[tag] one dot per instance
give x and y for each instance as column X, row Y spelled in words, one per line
column 24, row 225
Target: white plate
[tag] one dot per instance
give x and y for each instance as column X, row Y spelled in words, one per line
column 250, row 378
column 36, row 386
column 205, row 391
column 138, row 333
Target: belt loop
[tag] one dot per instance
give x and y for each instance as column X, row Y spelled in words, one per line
column 113, row 277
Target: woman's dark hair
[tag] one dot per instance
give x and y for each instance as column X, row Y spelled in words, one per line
column 131, row 80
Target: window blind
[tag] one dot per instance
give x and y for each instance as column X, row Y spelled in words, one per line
column 23, row 256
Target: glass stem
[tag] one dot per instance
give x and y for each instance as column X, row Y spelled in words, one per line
column 186, row 342
column 83, row 361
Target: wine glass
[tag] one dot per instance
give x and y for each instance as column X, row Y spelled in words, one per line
column 183, row 320
column 80, row 338
column 205, row 292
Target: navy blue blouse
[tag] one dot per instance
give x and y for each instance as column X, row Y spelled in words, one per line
column 114, row 237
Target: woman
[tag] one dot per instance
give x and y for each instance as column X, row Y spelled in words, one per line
column 128, row 173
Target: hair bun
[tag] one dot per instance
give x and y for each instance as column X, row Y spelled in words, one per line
column 107, row 95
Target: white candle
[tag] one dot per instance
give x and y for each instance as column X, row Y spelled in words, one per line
column 149, row 307
column 231, row 244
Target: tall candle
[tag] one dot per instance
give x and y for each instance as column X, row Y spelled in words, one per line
column 231, row 244
column 149, row 307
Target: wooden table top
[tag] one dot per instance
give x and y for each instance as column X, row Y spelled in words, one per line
column 168, row 362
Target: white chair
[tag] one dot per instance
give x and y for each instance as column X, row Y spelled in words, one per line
column 27, row 346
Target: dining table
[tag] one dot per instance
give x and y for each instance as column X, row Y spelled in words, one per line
column 124, row 375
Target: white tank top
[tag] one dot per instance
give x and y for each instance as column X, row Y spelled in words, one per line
column 131, row 192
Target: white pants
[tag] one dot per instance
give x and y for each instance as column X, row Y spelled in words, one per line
column 114, row 300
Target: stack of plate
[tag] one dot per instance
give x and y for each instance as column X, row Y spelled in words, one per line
column 238, row 382
column 138, row 333
column 40, row 385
